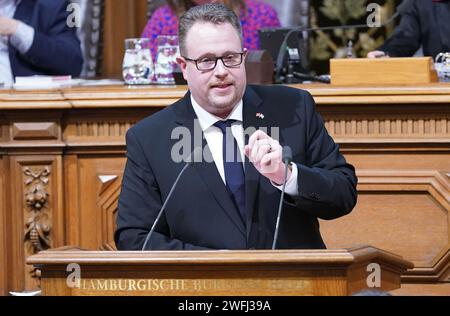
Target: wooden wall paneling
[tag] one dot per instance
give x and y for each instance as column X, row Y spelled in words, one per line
column 406, row 219
column 100, row 177
column 3, row 223
column 3, row 216
column 123, row 19
column 4, row 227
column 94, row 164
column 100, row 130
column 140, row 15
column 402, row 162
column 72, row 189
column 423, row 289
column 107, row 199
column 380, row 124
column 403, row 206
column 397, row 138
column 36, row 217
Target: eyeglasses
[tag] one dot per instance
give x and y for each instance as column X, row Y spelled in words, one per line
column 210, row 62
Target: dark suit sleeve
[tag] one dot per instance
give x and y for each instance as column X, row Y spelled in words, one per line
column 139, row 204
column 326, row 182
column 56, row 48
column 406, row 39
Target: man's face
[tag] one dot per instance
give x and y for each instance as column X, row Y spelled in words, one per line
column 217, row 90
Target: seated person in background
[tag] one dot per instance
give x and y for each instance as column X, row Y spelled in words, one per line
column 254, row 15
column 424, row 23
column 36, row 40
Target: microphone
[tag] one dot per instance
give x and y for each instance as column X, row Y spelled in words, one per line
column 323, row 78
column 195, row 156
column 287, row 158
column 283, row 47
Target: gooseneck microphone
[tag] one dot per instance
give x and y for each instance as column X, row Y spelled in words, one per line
column 287, row 159
column 283, row 47
column 193, row 157
column 323, row 78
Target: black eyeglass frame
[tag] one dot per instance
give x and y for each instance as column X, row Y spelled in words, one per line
column 195, row 61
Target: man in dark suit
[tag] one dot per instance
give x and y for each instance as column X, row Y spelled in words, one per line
column 222, row 202
column 36, row 40
column 424, row 23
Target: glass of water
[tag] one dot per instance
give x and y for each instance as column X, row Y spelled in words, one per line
column 166, row 55
column 442, row 65
column 137, row 63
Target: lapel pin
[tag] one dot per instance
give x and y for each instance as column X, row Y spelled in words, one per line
column 259, row 115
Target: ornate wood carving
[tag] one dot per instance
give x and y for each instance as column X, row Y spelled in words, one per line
column 38, row 226
column 390, row 127
column 102, row 129
column 35, row 130
column 108, row 197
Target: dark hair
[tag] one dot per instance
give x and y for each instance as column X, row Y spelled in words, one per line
column 214, row 13
column 181, row 6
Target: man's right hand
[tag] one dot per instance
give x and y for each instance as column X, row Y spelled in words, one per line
column 8, row 26
column 376, row 54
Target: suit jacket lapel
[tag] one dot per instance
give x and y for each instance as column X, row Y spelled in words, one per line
column 185, row 116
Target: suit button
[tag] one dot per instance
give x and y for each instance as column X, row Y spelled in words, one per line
column 313, row 196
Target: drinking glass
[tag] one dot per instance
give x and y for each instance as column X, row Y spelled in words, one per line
column 442, row 65
column 137, row 63
column 166, row 55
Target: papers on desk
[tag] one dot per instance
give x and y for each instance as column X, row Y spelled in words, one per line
column 56, row 82
column 42, row 82
column 26, row 293
column 101, row 82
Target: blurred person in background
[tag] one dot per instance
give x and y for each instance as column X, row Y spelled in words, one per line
column 36, row 40
column 254, row 15
column 424, row 23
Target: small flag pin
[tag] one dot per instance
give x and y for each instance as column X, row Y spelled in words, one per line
column 260, row 115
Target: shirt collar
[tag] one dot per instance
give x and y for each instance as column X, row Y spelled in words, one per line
column 207, row 119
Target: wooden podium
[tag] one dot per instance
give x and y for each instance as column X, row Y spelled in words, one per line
column 218, row 273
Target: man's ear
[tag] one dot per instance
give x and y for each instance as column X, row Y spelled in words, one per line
column 182, row 63
column 245, row 50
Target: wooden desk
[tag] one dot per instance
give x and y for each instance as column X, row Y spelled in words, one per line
column 220, row 273
column 62, row 158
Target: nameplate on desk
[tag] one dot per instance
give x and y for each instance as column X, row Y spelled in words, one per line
column 382, row 71
column 193, row 286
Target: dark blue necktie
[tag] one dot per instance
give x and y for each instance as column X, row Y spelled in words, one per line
column 232, row 164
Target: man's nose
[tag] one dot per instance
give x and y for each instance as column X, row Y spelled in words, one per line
column 220, row 69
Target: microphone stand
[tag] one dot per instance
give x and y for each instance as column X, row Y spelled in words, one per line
column 193, row 157
column 164, row 206
column 287, row 158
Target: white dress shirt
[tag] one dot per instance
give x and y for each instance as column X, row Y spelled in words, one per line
column 22, row 40
column 214, row 138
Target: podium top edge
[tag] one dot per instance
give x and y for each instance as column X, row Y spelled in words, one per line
column 220, row 257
